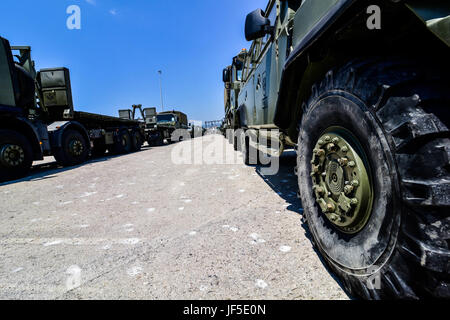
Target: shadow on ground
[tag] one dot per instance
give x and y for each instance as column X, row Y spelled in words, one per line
column 285, row 184
column 51, row 170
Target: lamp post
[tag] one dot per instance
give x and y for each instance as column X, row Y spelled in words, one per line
column 160, row 89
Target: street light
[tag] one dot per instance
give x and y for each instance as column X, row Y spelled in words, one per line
column 160, row 89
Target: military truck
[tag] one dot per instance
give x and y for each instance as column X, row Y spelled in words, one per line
column 361, row 90
column 166, row 123
column 37, row 118
column 148, row 119
column 232, row 78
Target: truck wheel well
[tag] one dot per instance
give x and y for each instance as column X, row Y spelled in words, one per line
column 23, row 128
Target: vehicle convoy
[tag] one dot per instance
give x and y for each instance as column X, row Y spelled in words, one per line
column 148, row 119
column 232, row 77
column 37, row 119
column 367, row 109
column 158, row 126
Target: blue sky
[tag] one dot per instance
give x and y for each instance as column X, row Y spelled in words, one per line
column 115, row 56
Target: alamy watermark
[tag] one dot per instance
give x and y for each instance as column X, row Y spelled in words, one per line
column 259, row 148
column 373, row 282
column 73, row 22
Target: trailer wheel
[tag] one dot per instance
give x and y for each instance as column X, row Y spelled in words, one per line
column 123, row 144
column 374, row 177
column 16, row 156
column 74, row 149
column 136, row 141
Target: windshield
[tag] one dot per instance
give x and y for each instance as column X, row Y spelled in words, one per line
column 166, row 118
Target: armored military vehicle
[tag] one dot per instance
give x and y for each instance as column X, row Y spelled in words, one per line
column 37, row 118
column 361, row 89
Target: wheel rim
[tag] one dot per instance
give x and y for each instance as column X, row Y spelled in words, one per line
column 76, row 148
column 342, row 184
column 12, row 155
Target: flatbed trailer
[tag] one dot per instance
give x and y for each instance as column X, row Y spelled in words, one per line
column 37, row 119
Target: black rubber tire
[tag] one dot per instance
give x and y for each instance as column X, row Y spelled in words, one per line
column 136, row 141
column 63, row 155
column 250, row 155
column 157, row 142
column 13, row 137
column 398, row 109
column 123, row 144
column 236, row 141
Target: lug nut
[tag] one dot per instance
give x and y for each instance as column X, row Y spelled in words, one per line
column 330, row 207
column 344, row 149
column 320, row 190
column 352, row 164
column 331, row 147
column 348, row 189
column 354, row 201
column 355, row 183
column 335, row 140
column 321, row 142
column 324, row 174
column 320, row 153
column 327, row 139
column 343, row 162
column 316, row 169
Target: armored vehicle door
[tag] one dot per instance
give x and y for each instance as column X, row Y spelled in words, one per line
column 266, row 70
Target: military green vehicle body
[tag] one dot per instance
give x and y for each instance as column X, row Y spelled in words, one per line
column 313, row 39
column 37, row 118
column 360, row 89
column 166, row 123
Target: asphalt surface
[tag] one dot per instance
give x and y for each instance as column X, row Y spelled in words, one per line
column 140, row 226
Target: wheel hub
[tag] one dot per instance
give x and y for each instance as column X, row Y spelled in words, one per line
column 76, row 147
column 341, row 180
column 12, row 155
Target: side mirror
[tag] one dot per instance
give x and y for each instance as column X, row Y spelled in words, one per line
column 256, row 25
column 226, row 75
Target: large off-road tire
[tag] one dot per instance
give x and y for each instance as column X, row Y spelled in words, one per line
column 136, row 141
column 393, row 118
column 123, row 144
column 74, row 149
column 157, row 140
column 250, row 154
column 16, row 156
